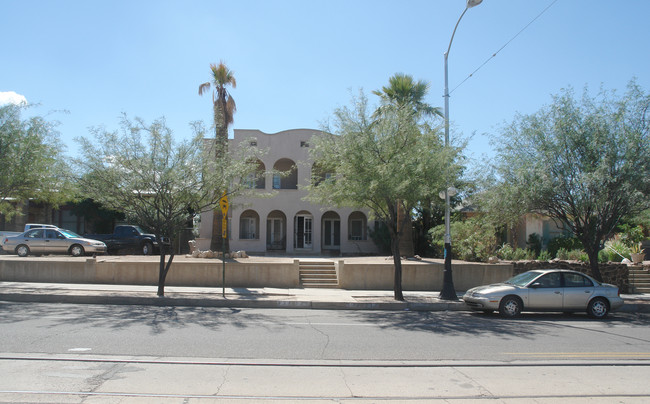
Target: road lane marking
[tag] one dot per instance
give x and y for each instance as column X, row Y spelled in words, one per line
column 580, row 354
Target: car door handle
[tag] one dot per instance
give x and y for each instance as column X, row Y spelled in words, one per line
column 557, row 292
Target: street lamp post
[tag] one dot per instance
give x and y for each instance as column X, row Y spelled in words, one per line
column 448, row 291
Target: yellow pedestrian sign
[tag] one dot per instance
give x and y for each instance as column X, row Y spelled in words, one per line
column 223, row 202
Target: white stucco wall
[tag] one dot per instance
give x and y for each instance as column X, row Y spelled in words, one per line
column 294, row 145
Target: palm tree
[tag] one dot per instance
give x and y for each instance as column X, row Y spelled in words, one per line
column 224, row 105
column 404, row 92
column 224, row 108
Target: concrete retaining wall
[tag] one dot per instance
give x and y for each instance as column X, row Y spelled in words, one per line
column 124, row 272
column 354, row 274
column 419, row 275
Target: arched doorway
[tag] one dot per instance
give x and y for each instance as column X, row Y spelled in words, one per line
column 303, row 225
column 331, row 227
column 276, row 231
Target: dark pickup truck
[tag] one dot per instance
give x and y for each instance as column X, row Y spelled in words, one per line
column 127, row 237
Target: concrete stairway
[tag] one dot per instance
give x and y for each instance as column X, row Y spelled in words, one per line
column 639, row 280
column 318, row 274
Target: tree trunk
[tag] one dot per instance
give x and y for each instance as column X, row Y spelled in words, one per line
column 163, row 268
column 397, row 259
column 405, row 230
column 221, row 147
column 592, row 253
column 216, row 243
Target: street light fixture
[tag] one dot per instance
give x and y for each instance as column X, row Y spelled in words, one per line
column 448, row 291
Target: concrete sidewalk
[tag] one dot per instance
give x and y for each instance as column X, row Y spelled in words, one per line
column 305, row 298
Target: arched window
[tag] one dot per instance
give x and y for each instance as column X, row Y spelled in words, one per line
column 287, row 176
column 357, row 226
column 249, row 224
column 320, row 173
column 257, row 179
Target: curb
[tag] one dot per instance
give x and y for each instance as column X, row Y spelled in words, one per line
column 231, row 303
column 632, row 307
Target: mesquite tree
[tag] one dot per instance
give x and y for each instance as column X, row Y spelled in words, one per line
column 159, row 183
column 583, row 162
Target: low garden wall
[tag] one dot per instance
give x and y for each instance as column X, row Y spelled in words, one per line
column 613, row 272
column 355, row 274
column 199, row 272
column 419, row 275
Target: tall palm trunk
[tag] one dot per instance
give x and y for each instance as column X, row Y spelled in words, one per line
column 217, row 243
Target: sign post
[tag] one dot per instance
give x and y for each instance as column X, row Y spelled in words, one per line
column 223, row 202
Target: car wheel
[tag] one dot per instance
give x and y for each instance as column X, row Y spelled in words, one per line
column 598, row 308
column 76, row 250
column 147, row 248
column 510, row 306
column 22, row 250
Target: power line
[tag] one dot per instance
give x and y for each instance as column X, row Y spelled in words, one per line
column 501, row 48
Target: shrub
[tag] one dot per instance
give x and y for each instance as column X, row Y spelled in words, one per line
column 506, row 252
column 562, row 254
column 578, row 255
column 473, row 239
column 603, row 256
column 567, row 243
column 534, row 243
column 381, row 236
column 545, row 256
column 616, row 249
column 631, row 235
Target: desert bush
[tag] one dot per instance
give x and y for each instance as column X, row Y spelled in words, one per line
column 567, row 243
column 534, row 243
column 506, row 252
column 473, row 239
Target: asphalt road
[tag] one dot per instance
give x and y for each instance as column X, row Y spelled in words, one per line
column 133, row 354
column 317, row 334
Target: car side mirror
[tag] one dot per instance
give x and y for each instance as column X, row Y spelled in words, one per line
column 535, row 285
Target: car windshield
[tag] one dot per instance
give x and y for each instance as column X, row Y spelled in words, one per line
column 523, row 278
column 69, row 234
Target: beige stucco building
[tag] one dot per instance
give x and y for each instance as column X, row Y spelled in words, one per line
column 285, row 223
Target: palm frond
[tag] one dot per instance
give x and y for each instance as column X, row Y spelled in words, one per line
column 204, row 87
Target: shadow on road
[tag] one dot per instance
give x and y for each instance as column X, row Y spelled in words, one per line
column 159, row 319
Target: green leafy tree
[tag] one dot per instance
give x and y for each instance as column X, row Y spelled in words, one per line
column 385, row 163
column 156, row 182
column 32, row 165
column 405, row 92
column 584, row 163
column 224, row 109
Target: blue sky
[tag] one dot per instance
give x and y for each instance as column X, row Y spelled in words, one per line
column 296, row 61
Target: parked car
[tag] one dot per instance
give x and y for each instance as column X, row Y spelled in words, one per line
column 546, row 290
column 28, row 226
column 51, row 241
column 128, row 237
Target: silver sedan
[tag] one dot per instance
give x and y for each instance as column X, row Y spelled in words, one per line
column 546, row 290
column 52, row 241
